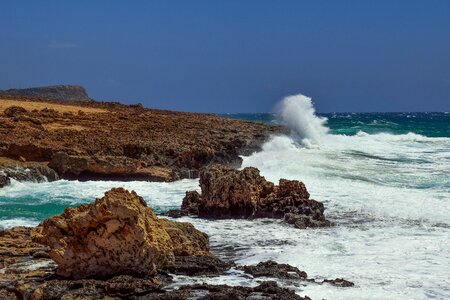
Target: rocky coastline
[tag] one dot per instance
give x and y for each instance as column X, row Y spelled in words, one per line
column 111, row 141
column 117, row 248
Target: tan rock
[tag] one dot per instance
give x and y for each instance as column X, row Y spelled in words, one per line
column 186, row 240
column 118, row 234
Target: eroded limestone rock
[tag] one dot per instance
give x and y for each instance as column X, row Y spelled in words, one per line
column 230, row 193
column 117, row 234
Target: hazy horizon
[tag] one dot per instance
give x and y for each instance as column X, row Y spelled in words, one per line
column 233, row 56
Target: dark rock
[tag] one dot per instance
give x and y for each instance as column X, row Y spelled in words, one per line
column 230, row 193
column 122, row 286
column 340, row 282
column 197, row 265
column 191, row 202
column 267, row 290
column 175, row 213
column 4, row 180
column 34, row 173
column 273, row 269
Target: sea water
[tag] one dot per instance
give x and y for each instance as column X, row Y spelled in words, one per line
column 384, row 179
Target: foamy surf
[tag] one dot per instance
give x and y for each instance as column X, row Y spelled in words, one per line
column 388, row 195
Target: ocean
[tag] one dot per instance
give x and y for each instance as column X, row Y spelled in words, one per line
column 384, row 179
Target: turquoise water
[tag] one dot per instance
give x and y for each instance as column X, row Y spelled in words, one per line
column 31, row 203
column 433, row 124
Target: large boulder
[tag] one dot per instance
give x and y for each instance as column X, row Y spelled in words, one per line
column 117, row 234
column 231, row 193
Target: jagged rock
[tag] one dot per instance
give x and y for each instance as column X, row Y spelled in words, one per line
column 186, row 240
column 284, row 271
column 119, row 287
column 267, row 290
column 273, row 269
column 34, row 173
column 118, row 234
column 16, row 242
column 230, row 193
column 4, row 180
column 21, row 260
column 197, row 265
column 340, row 282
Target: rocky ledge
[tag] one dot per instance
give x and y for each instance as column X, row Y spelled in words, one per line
column 231, row 193
column 104, row 140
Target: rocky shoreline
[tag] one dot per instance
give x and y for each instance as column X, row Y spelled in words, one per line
column 111, row 141
column 117, row 248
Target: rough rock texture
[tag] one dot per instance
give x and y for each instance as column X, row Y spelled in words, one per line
column 273, row 269
column 185, row 239
column 118, row 234
column 96, row 140
column 27, row 272
column 14, row 111
column 34, row 173
column 197, row 265
column 230, row 193
column 4, row 180
column 339, row 282
column 267, row 290
column 22, row 263
column 128, row 287
column 59, row 92
column 119, row 287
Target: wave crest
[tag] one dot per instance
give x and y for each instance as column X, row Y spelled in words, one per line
column 298, row 113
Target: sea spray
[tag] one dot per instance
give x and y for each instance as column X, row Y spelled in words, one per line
column 299, row 115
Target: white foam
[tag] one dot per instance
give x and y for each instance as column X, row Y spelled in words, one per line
column 158, row 194
column 298, row 113
column 8, row 223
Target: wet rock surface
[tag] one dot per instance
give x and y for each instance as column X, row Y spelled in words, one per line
column 230, row 193
column 273, row 269
column 339, row 282
column 4, row 180
column 197, row 265
column 268, row 290
column 101, row 140
column 33, row 173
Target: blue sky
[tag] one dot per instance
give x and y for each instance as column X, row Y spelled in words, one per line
column 234, row 56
